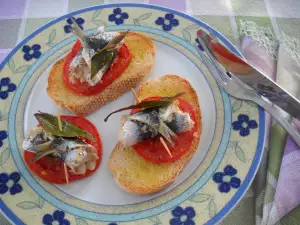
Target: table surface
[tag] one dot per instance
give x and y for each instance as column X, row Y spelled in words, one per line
column 19, row 18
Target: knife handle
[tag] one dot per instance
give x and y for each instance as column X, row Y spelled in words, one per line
column 279, row 117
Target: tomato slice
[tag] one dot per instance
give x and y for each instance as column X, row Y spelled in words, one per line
column 152, row 149
column 115, row 70
column 51, row 169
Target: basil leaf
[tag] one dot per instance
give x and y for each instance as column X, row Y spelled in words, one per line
column 50, row 124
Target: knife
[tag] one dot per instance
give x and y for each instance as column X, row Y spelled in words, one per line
column 250, row 75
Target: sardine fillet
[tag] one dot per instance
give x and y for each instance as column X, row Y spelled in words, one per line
column 137, row 175
column 143, row 52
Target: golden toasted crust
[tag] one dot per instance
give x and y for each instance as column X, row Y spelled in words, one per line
column 143, row 52
column 137, row 175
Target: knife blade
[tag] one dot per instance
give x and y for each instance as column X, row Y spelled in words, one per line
column 250, row 75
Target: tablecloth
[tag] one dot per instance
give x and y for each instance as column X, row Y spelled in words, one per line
column 18, row 18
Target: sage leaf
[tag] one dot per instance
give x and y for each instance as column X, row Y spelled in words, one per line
column 80, row 221
column 186, row 35
column 240, row 153
column 149, row 104
column 41, row 202
column 52, row 36
column 144, row 16
column 212, row 208
column 11, row 65
column 27, row 205
column 4, row 156
column 155, row 219
column 50, row 124
column 99, row 22
column 192, row 27
column 96, row 14
column 200, row 198
column 22, row 69
column 237, row 104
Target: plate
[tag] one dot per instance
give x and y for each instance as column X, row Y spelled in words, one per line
column 208, row 188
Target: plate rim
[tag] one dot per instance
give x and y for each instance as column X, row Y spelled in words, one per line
column 9, row 214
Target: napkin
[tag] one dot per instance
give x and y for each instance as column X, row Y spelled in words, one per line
column 275, row 189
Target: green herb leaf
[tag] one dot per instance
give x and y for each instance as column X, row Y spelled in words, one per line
column 103, row 58
column 50, row 124
column 149, row 104
column 27, row 205
column 101, row 61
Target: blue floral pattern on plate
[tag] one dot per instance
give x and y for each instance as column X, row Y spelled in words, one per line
column 168, row 22
column 243, row 125
column 118, row 16
column 227, row 179
column 10, row 183
column 5, row 87
column 31, row 52
column 68, row 28
column 58, row 217
column 183, row 216
column 3, row 136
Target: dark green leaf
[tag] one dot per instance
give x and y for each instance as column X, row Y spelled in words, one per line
column 186, row 35
column 50, row 124
column 136, row 22
column 22, row 69
column 192, row 27
column 41, row 202
column 96, row 14
column 11, row 65
column 155, row 219
column 4, row 156
column 27, row 205
column 101, row 61
column 52, row 36
column 149, row 104
column 99, row 22
column 237, row 104
column 200, row 198
column 80, row 221
column 144, row 16
column 212, row 208
column 240, row 153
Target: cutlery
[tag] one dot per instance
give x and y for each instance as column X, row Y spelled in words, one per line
column 250, row 75
column 236, row 88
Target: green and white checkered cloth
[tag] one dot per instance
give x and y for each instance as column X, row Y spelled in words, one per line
column 18, row 18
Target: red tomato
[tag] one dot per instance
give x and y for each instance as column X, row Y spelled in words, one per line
column 152, row 149
column 115, row 70
column 51, row 169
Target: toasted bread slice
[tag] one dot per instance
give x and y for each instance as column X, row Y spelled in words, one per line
column 143, row 52
column 135, row 174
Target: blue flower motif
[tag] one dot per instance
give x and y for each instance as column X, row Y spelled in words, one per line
column 3, row 136
column 68, row 28
column 5, row 87
column 168, row 22
column 183, row 216
column 227, row 179
column 118, row 16
column 112, row 224
column 31, row 52
column 10, row 183
column 243, row 124
column 58, row 217
column 199, row 44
